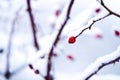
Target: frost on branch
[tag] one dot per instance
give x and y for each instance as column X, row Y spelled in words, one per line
column 101, row 62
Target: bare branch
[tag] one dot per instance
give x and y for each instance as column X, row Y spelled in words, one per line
column 48, row 77
column 32, row 24
column 111, row 12
column 8, row 73
column 93, row 22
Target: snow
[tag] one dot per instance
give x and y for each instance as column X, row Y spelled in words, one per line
column 85, row 50
column 61, row 18
column 101, row 60
column 77, row 77
column 113, row 6
column 83, row 20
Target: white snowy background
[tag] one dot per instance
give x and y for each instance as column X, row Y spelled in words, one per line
column 86, row 50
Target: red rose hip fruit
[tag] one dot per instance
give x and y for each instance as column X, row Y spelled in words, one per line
column 72, row 39
column 57, row 13
column 117, row 33
column 70, row 57
column 97, row 10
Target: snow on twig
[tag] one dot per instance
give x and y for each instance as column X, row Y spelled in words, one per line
column 100, row 63
column 91, row 23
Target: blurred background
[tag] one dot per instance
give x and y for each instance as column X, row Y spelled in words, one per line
column 88, row 47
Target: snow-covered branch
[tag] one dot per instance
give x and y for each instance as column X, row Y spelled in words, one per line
column 101, row 63
column 92, row 22
column 48, row 77
column 19, row 58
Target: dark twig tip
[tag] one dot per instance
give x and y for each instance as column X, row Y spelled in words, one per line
column 7, row 75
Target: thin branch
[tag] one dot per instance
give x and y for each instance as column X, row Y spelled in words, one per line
column 32, row 24
column 111, row 12
column 93, row 22
column 8, row 73
column 48, row 77
column 101, row 63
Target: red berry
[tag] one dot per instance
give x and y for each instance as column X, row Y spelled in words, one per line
column 117, row 33
column 70, row 57
column 97, row 10
column 72, row 39
column 57, row 13
column 36, row 72
column 98, row 36
column 30, row 66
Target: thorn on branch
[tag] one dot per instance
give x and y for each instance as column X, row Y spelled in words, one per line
column 30, row 66
column 69, row 17
column 89, row 27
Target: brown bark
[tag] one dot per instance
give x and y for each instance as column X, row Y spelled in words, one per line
column 32, row 24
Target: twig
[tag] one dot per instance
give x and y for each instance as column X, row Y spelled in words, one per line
column 48, row 77
column 29, row 9
column 111, row 12
column 103, row 65
column 93, row 22
column 8, row 73
column 100, row 63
